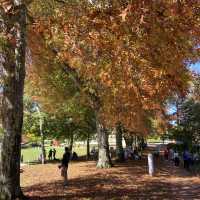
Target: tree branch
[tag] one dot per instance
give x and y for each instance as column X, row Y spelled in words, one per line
column 78, row 81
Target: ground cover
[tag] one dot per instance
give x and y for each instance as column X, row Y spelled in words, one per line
column 125, row 181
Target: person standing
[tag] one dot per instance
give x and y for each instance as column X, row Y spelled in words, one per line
column 54, row 153
column 166, row 154
column 186, row 158
column 74, row 156
column 171, row 154
column 50, row 154
column 176, row 158
column 64, row 165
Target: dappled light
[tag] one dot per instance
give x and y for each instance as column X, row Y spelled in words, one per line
column 124, row 181
column 98, row 99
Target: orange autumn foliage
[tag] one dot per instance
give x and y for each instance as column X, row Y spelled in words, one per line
column 132, row 55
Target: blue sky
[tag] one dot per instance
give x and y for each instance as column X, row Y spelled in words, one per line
column 196, row 67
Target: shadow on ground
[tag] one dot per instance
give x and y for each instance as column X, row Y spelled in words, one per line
column 124, row 181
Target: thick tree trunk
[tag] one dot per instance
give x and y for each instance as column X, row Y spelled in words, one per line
column 119, row 146
column 104, row 160
column 88, row 146
column 128, row 140
column 12, row 62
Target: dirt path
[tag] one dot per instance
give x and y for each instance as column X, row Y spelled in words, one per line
column 124, row 181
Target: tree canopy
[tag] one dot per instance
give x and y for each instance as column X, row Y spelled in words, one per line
column 131, row 55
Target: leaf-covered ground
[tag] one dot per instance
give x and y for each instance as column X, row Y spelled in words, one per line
column 124, row 181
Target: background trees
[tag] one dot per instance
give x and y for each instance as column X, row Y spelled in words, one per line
column 129, row 56
column 69, row 121
column 185, row 118
column 187, row 131
column 121, row 59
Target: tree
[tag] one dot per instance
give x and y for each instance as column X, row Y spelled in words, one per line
column 104, row 160
column 86, row 127
column 31, row 122
column 188, row 128
column 71, row 121
column 37, row 108
column 185, row 117
column 190, row 120
column 124, row 54
column 144, row 82
column 119, row 146
column 81, row 86
column 12, row 63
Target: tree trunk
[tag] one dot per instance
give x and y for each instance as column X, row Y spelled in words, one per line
column 136, row 142
column 119, row 146
column 128, row 140
column 88, row 146
column 43, row 156
column 104, row 160
column 71, row 141
column 12, row 62
column 141, row 143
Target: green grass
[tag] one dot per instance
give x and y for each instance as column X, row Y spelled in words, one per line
column 31, row 154
column 154, row 140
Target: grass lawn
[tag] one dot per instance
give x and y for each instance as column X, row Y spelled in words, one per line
column 31, row 154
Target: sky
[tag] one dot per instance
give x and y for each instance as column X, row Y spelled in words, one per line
column 196, row 67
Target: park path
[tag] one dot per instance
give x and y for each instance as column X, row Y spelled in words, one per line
column 124, row 181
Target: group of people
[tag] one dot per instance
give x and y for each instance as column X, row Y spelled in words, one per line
column 67, row 156
column 52, row 154
column 94, row 152
column 188, row 158
column 170, row 154
column 130, row 153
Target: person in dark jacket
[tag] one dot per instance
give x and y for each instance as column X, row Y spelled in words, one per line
column 50, row 154
column 74, row 156
column 186, row 159
column 64, row 164
column 54, row 153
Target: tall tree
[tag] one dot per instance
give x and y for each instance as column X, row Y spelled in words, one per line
column 125, row 52
column 29, row 108
column 137, row 70
column 104, row 159
column 119, row 146
column 188, row 128
column 12, row 63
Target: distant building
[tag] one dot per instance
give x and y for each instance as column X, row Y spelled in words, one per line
column 111, row 140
